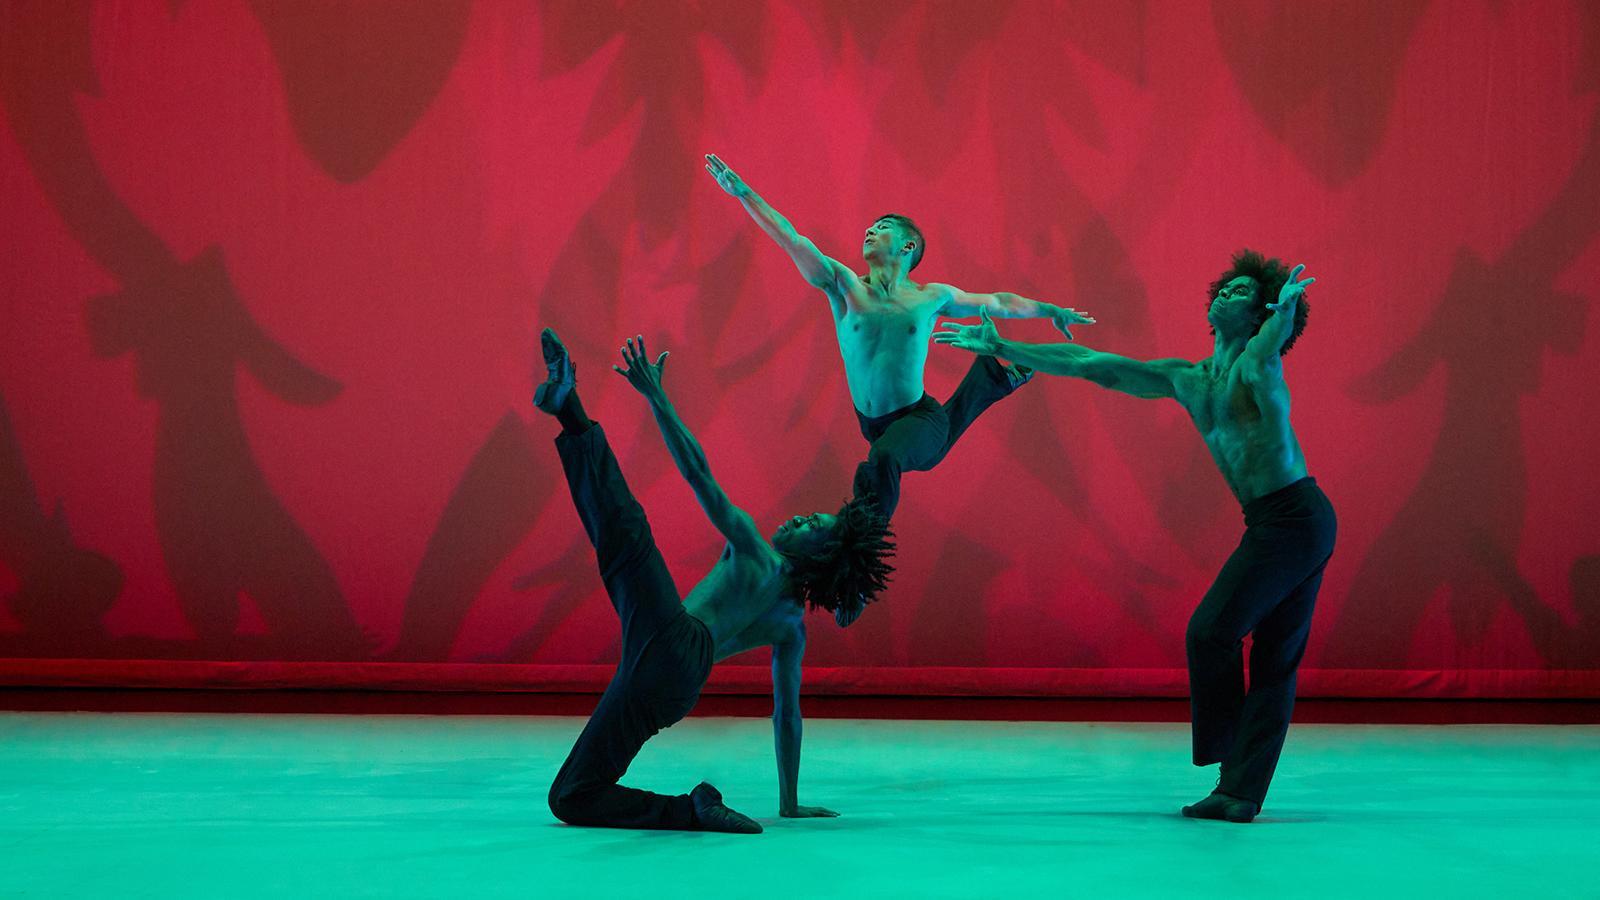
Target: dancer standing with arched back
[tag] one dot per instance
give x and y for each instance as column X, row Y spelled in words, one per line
column 1239, row 402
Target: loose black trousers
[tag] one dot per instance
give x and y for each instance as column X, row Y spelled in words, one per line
column 915, row 438
column 1266, row 589
column 666, row 653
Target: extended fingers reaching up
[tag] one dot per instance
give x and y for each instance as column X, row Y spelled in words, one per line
column 1293, row 289
column 644, row 375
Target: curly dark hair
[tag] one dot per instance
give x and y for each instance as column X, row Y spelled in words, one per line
column 852, row 567
column 909, row 227
column 1269, row 276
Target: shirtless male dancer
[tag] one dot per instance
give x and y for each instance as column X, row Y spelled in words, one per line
column 754, row 596
column 1239, row 402
column 883, row 320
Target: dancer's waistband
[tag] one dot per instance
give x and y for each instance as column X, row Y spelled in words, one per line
column 870, row 421
column 1293, row 498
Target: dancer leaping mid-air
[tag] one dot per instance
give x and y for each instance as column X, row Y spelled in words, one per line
column 883, row 320
column 754, row 596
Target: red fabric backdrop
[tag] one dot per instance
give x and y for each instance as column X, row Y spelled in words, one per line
column 273, row 273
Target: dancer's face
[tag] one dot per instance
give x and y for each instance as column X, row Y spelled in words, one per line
column 883, row 240
column 805, row 534
column 1234, row 305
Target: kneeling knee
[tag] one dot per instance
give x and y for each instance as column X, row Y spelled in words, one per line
column 563, row 806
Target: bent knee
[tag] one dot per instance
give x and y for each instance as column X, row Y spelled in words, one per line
column 883, row 459
column 563, row 805
column 1208, row 634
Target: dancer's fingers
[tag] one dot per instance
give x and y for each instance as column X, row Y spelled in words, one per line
column 1295, row 272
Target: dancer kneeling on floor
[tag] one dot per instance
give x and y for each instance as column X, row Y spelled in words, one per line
column 755, row 596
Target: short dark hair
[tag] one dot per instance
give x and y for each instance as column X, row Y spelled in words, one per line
column 853, row 566
column 1270, row 275
column 910, row 227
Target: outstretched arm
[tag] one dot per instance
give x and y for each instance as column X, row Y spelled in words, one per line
column 1150, row 379
column 959, row 304
column 734, row 523
column 786, row 726
column 820, row 271
column 1262, row 355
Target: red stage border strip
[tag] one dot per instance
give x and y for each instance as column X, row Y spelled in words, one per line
column 922, row 681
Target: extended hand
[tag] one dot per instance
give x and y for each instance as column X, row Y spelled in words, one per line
column 1066, row 317
column 982, row 338
column 644, row 375
column 1292, row 290
column 728, row 179
column 808, row 812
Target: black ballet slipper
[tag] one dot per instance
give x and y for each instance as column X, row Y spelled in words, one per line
column 1224, row 807
column 1018, row 375
column 711, row 814
column 846, row 613
column 552, row 395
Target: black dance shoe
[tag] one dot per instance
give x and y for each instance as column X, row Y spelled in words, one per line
column 712, row 815
column 1222, row 806
column 1018, row 375
column 563, row 374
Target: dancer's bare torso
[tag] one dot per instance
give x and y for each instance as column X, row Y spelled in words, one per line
column 883, row 338
column 741, row 602
column 1246, row 429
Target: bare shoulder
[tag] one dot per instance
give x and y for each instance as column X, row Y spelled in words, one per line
column 782, row 622
column 850, row 285
column 1179, row 370
column 929, row 297
column 781, row 625
column 1189, row 378
column 759, row 561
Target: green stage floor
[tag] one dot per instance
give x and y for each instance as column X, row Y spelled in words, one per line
column 116, row 805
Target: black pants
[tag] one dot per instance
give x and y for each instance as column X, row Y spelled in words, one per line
column 666, row 653
column 1267, row 588
column 916, row 437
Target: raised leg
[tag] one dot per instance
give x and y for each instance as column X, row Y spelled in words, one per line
column 636, row 577
column 986, row 382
